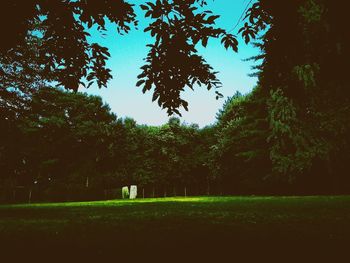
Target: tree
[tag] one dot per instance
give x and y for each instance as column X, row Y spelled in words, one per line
column 173, row 63
column 305, row 88
column 241, row 152
column 63, row 140
column 59, row 30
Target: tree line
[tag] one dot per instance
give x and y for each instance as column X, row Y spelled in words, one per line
column 290, row 135
column 70, row 146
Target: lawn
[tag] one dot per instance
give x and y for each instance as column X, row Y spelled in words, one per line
column 198, row 225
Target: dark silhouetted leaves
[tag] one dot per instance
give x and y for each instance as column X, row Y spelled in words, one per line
column 173, row 63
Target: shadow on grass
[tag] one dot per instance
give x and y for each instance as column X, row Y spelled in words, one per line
column 170, row 227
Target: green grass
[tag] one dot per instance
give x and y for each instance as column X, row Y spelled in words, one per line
column 166, row 224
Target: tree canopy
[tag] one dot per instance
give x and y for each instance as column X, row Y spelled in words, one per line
column 290, row 134
column 54, row 36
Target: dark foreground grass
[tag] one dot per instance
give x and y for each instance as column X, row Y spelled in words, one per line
column 170, row 227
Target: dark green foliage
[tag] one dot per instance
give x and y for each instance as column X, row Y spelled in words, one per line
column 303, row 97
column 69, row 146
column 60, row 135
column 63, row 52
column 289, row 135
column 64, row 56
column 241, row 154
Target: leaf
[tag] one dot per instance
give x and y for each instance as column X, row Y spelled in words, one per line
column 140, row 82
column 155, row 96
column 211, row 19
column 144, row 7
column 204, row 41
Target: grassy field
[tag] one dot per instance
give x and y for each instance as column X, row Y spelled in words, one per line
column 173, row 225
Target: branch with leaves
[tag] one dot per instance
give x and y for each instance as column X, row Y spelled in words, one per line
column 173, row 63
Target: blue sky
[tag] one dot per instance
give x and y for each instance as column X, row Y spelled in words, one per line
column 127, row 53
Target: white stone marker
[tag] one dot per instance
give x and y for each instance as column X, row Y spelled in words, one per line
column 125, row 192
column 133, row 191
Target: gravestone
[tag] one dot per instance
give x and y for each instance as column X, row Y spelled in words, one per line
column 133, row 191
column 125, row 192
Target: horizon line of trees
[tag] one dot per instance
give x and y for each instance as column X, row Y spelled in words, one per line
column 290, row 135
column 70, row 146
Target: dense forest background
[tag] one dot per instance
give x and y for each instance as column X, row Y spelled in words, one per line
column 290, row 135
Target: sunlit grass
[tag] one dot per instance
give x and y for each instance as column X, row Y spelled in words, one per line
column 199, row 199
column 196, row 221
column 117, row 202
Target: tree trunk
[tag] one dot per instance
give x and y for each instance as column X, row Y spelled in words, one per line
column 185, row 191
column 208, row 186
column 30, row 196
column 333, row 176
column 153, row 192
column 143, row 192
column 87, row 182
